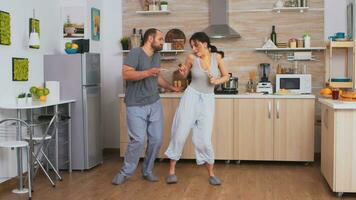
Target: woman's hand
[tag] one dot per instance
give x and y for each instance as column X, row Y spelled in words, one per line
column 213, row 80
column 183, row 69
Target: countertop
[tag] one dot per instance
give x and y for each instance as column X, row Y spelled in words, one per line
column 241, row 96
column 337, row 104
column 33, row 104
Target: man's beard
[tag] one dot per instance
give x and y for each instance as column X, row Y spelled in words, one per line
column 156, row 48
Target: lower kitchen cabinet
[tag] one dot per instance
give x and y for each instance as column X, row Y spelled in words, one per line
column 294, row 129
column 253, row 124
column 338, row 148
column 223, row 132
column 247, row 129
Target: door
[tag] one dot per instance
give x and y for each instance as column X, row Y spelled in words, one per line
column 169, row 109
column 294, row 129
column 254, row 127
column 91, row 69
column 92, row 126
column 223, row 134
column 327, row 145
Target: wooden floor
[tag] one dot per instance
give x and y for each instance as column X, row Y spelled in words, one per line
column 249, row 180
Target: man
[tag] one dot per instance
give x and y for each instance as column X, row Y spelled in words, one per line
column 141, row 70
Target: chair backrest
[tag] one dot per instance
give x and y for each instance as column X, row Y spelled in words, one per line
column 13, row 129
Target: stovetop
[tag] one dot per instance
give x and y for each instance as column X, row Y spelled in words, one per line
column 226, row 92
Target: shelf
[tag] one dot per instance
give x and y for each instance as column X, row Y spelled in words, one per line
column 341, row 84
column 349, row 46
column 290, row 9
column 341, row 44
column 291, row 49
column 167, row 51
column 168, row 58
column 158, row 12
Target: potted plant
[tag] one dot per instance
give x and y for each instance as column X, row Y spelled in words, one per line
column 125, row 43
column 20, row 99
column 29, row 98
column 164, row 5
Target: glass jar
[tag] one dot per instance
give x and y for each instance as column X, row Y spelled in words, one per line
column 153, row 5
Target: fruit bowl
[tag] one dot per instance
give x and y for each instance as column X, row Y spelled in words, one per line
column 71, row 51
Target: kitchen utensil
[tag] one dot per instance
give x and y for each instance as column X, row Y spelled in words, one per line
column 340, row 35
column 264, row 86
column 264, row 71
column 231, row 84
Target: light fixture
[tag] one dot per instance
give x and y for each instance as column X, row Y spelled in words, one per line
column 34, row 37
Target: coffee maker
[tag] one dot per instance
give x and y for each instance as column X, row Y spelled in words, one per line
column 264, row 86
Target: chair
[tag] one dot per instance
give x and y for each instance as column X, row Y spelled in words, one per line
column 10, row 138
column 42, row 139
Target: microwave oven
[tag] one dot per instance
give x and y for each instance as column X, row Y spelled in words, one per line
column 295, row 83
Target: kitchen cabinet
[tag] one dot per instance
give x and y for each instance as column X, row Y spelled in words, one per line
column 223, row 131
column 294, row 129
column 253, row 129
column 274, row 129
column 222, row 138
column 247, row 128
column 338, row 142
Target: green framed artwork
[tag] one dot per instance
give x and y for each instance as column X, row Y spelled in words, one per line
column 34, row 24
column 95, row 24
column 5, row 29
column 20, row 69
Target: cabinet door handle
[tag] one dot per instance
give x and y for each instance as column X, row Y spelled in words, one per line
column 326, row 118
column 277, row 109
column 269, row 110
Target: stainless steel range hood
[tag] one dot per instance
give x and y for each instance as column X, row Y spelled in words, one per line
column 219, row 20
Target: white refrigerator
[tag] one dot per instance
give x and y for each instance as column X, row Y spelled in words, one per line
column 79, row 77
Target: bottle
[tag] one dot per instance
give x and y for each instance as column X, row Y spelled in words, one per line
column 141, row 36
column 135, row 39
column 274, row 35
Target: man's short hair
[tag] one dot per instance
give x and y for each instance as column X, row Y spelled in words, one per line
column 150, row 32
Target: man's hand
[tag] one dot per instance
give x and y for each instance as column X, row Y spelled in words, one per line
column 153, row 71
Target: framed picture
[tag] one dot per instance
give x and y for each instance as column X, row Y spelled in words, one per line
column 95, row 24
column 20, row 69
column 34, row 25
column 73, row 19
column 5, row 28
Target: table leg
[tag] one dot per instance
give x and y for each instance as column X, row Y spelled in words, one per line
column 20, row 189
column 32, row 150
column 70, row 137
column 56, row 137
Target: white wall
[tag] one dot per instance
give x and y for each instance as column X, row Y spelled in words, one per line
column 21, row 10
column 49, row 14
column 111, row 71
column 335, row 21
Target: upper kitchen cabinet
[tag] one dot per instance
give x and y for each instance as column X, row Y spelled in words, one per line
column 294, row 129
column 253, row 125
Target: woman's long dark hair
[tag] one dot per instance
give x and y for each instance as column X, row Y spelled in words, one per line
column 203, row 37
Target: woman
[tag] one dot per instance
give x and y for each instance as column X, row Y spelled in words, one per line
column 196, row 108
